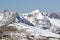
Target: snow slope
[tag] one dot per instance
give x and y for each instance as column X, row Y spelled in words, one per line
column 35, row 31
column 37, row 18
column 35, row 25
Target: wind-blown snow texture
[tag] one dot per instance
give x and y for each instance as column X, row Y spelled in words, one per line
column 36, row 25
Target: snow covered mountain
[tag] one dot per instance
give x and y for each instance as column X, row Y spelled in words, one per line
column 36, row 25
column 43, row 20
column 38, row 18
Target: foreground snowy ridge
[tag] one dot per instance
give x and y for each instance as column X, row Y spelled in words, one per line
column 36, row 25
column 35, row 31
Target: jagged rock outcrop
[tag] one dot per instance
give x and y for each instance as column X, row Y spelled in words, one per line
column 7, row 17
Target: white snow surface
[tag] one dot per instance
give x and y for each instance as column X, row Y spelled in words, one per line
column 37, row 18
column 35, row 30
column 40, row 16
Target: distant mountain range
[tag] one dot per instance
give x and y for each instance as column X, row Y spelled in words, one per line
column 33, row 24
column 43, row 19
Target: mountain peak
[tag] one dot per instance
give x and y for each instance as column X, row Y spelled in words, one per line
column 38, row 14
column 36, row 11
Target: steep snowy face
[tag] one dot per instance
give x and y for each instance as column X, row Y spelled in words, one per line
column 37, row 18
column 40, row 16
column 33, row 15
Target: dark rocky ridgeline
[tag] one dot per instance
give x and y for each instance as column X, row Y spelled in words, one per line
column 55, row 15
column 23, row 20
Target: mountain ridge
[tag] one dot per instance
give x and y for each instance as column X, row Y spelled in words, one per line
column 35, row 25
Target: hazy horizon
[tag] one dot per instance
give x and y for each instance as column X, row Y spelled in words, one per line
column 23, row 6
